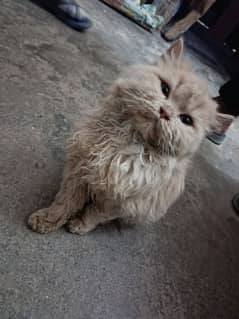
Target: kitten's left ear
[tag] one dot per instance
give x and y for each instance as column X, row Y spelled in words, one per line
column 175, row 52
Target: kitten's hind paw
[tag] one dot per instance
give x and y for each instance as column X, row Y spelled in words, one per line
column 77, row 226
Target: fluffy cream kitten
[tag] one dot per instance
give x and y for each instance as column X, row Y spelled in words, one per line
column 130, row 158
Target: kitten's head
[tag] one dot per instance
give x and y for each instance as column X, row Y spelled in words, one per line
column 167, row 105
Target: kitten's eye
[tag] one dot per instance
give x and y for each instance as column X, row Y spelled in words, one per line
column 165, row 89
column 186, row 119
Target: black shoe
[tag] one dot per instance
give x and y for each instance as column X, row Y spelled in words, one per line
column 235, row 203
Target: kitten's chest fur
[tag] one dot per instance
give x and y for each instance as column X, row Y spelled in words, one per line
column 133, row 171
column 144, row 184
column 122, row 171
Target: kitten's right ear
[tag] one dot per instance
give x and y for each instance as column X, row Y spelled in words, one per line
column 175, row 52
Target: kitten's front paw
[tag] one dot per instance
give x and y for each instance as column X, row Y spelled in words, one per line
column 76, row 226
column 40, row 223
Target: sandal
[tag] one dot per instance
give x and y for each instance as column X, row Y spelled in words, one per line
column 69, row 12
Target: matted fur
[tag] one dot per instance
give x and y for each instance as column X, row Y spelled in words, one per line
column 127, row 161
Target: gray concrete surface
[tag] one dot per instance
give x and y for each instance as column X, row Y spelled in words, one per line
column 184, row 267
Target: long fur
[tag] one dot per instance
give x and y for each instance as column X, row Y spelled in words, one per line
column 125, row 161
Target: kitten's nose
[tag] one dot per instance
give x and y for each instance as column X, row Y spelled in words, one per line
column 164, row 114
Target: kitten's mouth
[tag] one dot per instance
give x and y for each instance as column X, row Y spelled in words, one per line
column 162, row 138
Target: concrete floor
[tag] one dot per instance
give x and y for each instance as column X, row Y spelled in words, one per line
column 184, row 267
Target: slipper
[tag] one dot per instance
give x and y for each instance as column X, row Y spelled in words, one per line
column 216, row 138
column 235, row 203
column 69, row 12
column 217, row 135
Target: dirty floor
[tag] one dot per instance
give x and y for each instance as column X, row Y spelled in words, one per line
column 184, row 267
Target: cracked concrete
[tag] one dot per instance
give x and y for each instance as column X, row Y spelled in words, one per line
column 183, row 267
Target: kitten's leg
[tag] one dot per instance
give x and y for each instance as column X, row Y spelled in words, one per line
column 91, row 217
column 70, row 199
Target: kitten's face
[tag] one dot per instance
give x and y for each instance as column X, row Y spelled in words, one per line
column 168, row 106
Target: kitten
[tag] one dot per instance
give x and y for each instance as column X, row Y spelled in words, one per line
column 130, row 158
